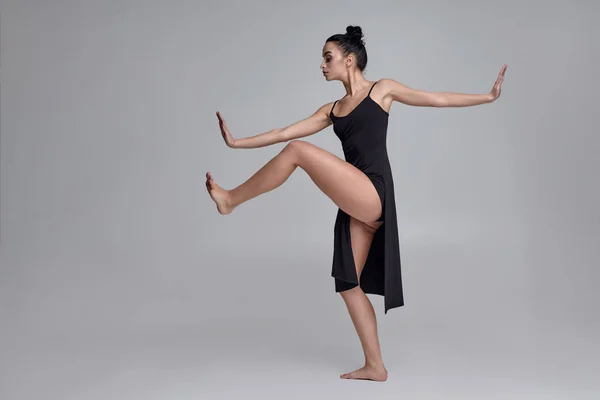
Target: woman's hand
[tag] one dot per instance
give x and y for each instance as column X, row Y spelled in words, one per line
column 495, row 92
column 229, row 140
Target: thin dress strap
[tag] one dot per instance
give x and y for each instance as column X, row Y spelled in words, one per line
column 372, row 88
column 331, row 112
column 368, row 94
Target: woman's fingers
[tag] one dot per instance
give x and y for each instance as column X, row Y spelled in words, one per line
column 221, row 119
column 502, row 71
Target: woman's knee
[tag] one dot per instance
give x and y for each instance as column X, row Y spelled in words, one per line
column 295, row 148
column 352, row 293
column 296, row 145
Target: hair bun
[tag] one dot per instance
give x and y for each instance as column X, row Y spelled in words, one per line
column 355, row 33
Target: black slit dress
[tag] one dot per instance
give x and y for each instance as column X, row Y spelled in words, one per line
column 363, row 134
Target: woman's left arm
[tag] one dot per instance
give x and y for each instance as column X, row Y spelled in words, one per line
column 421, row 98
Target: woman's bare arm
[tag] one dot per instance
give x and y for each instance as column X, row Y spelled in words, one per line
column 420, row 98
column 308, row 126
column 413, row 97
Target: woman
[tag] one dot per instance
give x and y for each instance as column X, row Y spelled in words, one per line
column 366, row 257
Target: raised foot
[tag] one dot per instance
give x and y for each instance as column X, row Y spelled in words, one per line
column 371, row 373
column 219, row 195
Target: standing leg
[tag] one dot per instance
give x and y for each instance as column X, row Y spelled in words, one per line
column 347, row 186
column 360, row 307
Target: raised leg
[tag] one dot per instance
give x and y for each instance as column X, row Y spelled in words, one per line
column 347, row 186
column 360, row 307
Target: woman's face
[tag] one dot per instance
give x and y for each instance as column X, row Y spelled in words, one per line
column 333, row 64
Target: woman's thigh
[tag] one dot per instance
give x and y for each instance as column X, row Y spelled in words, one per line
column 361, row 235
column 347, row 186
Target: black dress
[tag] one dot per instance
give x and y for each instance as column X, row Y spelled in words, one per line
column 363, row 133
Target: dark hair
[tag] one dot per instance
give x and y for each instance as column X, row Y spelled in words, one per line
column 351, row 42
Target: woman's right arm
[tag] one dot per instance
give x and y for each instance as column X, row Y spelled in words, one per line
column 308, row 126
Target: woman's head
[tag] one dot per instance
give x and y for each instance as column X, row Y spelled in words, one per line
column 342, row 52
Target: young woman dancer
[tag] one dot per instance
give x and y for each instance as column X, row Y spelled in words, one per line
column 366, row 256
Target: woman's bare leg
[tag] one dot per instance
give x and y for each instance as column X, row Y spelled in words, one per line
column 348, row 187
column 360, row 307
column 352, row 191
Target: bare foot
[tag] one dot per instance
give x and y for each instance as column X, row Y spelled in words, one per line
column 368, row 372
column 220, row 196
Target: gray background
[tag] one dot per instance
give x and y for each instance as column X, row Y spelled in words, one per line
column 120, row 280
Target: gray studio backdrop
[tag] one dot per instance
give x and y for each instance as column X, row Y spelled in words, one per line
column 119, row 278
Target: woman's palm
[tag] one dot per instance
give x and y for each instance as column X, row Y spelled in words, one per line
column 229, row 140
column 496, row 89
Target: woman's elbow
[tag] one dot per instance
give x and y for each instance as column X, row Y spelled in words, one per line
column 439, row 100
